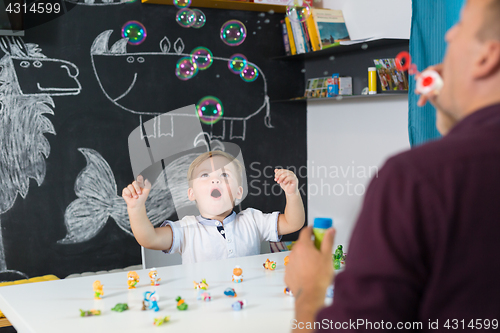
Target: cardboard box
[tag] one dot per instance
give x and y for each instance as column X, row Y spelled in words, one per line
column 345, row 85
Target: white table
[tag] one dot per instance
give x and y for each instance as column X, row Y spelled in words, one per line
column 53, row 306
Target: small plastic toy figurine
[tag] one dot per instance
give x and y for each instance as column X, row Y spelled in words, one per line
column 287, row 259
column 120, row 307
column 271, row 265
column 90, row 313
column 97, row 289
column 337, row 256
column 288, row 291
column 132, row 279
column 161, row 320
column 201, row 285
column 151, row 301
column 238, row 305
column 181, row 304
column 153, row 276
column 230, row 292
column 204, row 296
column 237, row 274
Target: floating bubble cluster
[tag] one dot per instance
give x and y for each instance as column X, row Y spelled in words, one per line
column 237, row 63
column 135, row 32
column 200, row 18
column 203, row 57
column 186, row 68
column 249, row 73
column 209, row 110
column 298, row 10
column 185, row 17
column 233, row 33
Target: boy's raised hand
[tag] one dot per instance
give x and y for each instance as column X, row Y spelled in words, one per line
column 287, row 180
column 135, row 194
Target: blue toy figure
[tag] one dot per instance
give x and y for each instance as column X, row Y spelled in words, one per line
column 151, row 300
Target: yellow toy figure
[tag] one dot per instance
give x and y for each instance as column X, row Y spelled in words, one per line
column 237, row 274
column 153, row 276
column 201, row 285
column 271, row 265
column 97, row 289
column 132, row 279
column 286, row 260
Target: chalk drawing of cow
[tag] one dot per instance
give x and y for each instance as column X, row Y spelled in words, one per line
column 128, row 79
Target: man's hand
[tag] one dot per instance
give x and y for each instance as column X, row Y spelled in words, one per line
column 432, row 96
column 287, row 180
column 309, row 272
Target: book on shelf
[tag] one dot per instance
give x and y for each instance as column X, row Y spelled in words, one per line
column 286, row 42
column 330, row 25
column 313, row 33
column 307, row 38
column 291, row 40
column 298, row 35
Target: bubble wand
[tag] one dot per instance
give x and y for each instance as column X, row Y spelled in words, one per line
column 428, row 81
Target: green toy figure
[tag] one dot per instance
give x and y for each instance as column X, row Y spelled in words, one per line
column 120, row 307
column 181, row 305
column 337, row 256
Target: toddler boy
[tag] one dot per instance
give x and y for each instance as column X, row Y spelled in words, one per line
column 215, row 184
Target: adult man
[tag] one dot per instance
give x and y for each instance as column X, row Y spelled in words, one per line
column 424, row 253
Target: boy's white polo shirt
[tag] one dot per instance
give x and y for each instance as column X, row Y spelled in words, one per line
column 198, row 239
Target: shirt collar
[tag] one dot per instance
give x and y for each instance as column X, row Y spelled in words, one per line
column 484, row 117
column 208, row 222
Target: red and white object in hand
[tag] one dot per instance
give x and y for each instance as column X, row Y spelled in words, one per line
column 429, row 81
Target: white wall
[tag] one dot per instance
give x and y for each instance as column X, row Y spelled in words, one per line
column 342, row 136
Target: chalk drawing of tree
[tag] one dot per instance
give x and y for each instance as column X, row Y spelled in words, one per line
column 27, row 82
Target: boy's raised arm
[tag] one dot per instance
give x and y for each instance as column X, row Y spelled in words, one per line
column 135, row 196
column 294, row 216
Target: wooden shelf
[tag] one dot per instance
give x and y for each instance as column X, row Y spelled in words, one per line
column 360, row 47
column 225, row 4
column 342, row 97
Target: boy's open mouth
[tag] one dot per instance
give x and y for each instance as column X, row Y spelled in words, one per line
column 216, row 193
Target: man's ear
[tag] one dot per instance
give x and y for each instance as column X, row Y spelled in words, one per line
column 191, row 196
column 488, row 61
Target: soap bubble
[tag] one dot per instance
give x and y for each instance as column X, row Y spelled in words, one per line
column 203, row 57
column 135, row 32
column 182, row 3
column 237, row 63
column 249, row 73
column 298, row 10
column 209, row 110
column 186, row 68
column 233, row 32
column 200, row 18
column 185, row 17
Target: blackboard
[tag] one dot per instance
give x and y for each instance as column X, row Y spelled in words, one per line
column 68, row 106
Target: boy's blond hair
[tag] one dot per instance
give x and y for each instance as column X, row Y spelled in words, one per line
column 205, row 156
